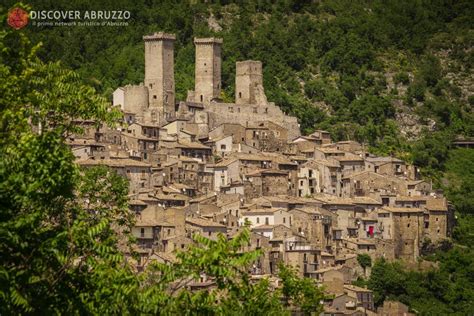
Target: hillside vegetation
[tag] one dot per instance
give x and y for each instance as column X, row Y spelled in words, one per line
column 381, row 72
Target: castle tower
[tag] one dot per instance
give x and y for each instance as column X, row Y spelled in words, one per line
column 159, row 71
column 208, row 69
column 249, row 83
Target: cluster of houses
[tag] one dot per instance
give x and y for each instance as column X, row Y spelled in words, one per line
column 202, row 166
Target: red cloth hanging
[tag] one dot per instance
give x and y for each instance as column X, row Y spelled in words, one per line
column 371, row 230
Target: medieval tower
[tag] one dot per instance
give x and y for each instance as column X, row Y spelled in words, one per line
column 249, row 83
column 159, row 71
column 208, row 69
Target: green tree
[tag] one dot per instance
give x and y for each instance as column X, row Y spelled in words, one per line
column 364, row 261
column 301, row 293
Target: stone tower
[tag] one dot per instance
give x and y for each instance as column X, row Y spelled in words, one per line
column 249, row 83
column 208, row 69
column 159, row 71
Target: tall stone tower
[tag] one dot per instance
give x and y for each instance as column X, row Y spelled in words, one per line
column 249, row 83
column 159, row 71
column 208, row 69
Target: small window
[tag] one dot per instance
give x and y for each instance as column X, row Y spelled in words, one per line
column 154, row 97
column 240, row 95
column 201, row 98
column 284, row 220
column 142, row 232
column 258, row 220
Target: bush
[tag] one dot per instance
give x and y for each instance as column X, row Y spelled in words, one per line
column 402, row 77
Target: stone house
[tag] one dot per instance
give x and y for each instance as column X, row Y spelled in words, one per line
column 314, row 224
column 371, row 184
column 364, row 296
column 436, row 219
column 150, row 232
column 258, row 217
column 206, row 228
column 266, row 182
column 348, row 146
column 176, row 243
column 329, row 176
column 139, row 146
column 225, row 173
column 138, row 173
column 405, row 226
column 388, row 166
column 188, row 169
column 350, row 163
column 418, row 187
column 222, row 146
column 170, row 170
column 253, row 162
column 237, row 132
column 308, row 179
column 322, row 153
column 147, row 130
column 302, row 255
column 195, row 150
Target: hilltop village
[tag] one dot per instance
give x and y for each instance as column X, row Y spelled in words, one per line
column 209, row 167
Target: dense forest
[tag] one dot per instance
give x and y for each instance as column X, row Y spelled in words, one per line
column 396, row 75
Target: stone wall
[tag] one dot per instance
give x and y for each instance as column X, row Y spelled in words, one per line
column 220, row 113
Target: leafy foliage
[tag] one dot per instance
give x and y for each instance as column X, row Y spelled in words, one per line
column 447, row 290
column 364, row 260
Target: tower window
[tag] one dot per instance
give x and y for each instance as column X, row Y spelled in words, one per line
column 201, row 97
column 154, row 97
column 240, row 95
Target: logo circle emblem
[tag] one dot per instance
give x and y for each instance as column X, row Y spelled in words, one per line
column 17, row 18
